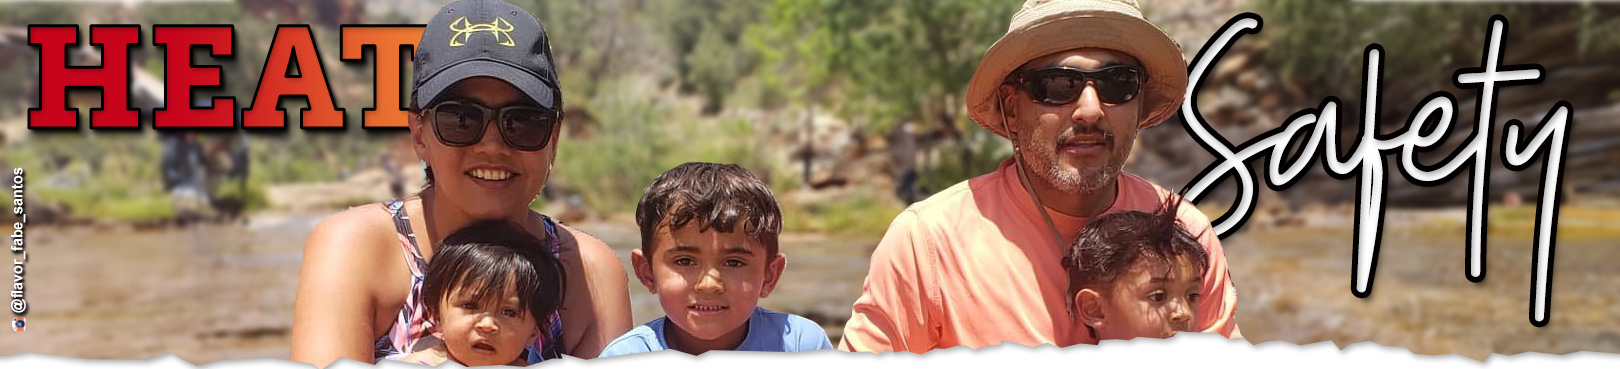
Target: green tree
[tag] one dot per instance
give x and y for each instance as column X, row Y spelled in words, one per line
column 894, row 61
column 1320, row 45
column 707, row 37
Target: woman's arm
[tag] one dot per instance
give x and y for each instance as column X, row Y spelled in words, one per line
column 335, row 311
column 598, row 305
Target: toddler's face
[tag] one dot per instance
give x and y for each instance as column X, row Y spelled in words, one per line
column 707, row 282
column 1152, row 298
column 490, row 332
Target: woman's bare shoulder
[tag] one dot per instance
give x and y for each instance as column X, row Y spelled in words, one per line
column 348, row 282
column 361, row 231
column 363, row 220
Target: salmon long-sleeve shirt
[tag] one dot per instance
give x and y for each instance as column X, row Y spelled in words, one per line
column 975, row 265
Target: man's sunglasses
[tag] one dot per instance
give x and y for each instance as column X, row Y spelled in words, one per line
column 1116, row 84
column 462, row 123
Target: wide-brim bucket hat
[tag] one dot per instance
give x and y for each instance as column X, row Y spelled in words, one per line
column 1044, row 27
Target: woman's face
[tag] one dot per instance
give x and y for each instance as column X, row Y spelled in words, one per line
column 488, row 179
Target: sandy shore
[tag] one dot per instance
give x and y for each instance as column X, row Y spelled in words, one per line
column 1294, row 286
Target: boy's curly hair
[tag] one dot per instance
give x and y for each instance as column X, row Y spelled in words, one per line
column 719, row 197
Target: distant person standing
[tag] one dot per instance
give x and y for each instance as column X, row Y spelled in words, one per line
column 903, row 150
column 396, row 179
column 184, row 177
column 1070, row 85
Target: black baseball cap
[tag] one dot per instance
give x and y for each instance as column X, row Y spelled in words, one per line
column 485, row 38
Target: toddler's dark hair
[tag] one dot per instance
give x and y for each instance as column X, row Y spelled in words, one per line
column 1110, row 244
column 482, row 258
column 719, row 197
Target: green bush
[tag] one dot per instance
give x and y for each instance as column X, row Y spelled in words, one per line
column 255, row 198
column 859, row 214
column 626, row 151
column 1321, row 44
column 642, row 134
column 135, row 209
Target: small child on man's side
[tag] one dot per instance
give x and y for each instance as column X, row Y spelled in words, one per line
column 1135, row 274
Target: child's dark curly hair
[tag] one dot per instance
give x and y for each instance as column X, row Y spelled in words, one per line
column 482, row 259
column 1110, row 244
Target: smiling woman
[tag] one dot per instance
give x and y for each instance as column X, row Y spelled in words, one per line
column 352, row 298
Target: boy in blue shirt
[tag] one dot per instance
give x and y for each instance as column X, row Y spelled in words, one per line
column 709, row 252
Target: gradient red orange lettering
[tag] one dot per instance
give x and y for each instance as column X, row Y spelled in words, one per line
column 56, row 76
column 293, row 43
column 180, row 74
column 387, row 40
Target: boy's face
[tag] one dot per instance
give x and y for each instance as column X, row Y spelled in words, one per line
column 1153, row 298
column 708, row 283
column 491, row 332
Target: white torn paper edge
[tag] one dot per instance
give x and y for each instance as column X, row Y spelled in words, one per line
column 1185, row 350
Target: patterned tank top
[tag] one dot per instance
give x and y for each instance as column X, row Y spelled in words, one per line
column 412, row 331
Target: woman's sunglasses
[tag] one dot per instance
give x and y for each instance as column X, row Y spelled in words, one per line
column 1116, row 84
column 462, row 123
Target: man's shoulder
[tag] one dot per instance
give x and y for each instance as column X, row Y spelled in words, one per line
column 950, row 197
column 948, row 217
column 929, row 219
column 954, row 199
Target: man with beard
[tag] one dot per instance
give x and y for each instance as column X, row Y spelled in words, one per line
column 1070, row 84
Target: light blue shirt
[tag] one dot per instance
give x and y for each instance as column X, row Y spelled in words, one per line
column 767, row 331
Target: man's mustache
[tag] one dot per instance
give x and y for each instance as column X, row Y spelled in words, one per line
column 1068, row 137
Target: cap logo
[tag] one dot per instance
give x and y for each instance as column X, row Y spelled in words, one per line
column 500, row 28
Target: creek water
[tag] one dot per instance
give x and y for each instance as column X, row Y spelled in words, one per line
column 219, row 292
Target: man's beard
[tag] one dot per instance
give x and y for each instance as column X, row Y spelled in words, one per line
column 1047, row 162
